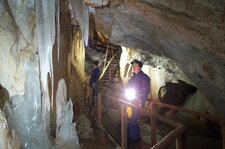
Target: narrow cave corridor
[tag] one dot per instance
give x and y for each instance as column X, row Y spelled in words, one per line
column 67, row 69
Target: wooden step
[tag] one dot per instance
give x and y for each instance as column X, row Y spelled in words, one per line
column 109, row 73
column 104, row 81
column 113, row 66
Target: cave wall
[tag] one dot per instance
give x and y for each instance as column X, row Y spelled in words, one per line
column 9, row 139
column 189, row 33
column 18, row 46
column 78, row 54
column 77, row 71
column 68, row 90
column 4, row 97
column 30, row 74
column 162, row 70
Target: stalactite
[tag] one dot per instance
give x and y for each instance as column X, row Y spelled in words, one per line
column 45, row 15
column 81, row 14
column 58, row 27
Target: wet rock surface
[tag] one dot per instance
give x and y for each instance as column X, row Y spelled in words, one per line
column 92, row 136
column 189, row 33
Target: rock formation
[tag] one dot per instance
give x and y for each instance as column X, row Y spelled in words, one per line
column 192, row 34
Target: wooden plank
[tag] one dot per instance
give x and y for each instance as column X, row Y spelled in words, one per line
column 106, row 67
column 122, row 101
column 169, row 138
column 153, row 125
column 179, row 142
column 167, row 120
column 223, row 135
column 99, row 109
column 106, row 56
column 123, row 127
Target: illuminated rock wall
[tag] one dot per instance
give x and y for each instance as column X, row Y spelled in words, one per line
column 162, row 70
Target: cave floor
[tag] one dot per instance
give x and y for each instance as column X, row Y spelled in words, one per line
column 99, row 140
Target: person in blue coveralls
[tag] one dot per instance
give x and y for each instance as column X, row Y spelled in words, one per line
column 95, row 73
column 140, row 83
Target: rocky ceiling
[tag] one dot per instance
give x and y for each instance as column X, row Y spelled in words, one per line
column 192, row 33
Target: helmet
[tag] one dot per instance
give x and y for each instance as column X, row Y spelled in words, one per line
column 140, row 64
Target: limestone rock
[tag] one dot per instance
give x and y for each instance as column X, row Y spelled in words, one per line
column 96, row 3
column 189, row 33
column 84, row 127
column 11, row 74
column 4, row 97
column 9, row 139
column 16, row 44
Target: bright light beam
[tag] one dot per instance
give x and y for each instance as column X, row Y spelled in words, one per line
column 130, row 94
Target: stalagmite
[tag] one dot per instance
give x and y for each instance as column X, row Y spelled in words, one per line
column 66, row 134
column 8, row 138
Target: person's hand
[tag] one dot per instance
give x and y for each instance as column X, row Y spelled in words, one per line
column 136, row 102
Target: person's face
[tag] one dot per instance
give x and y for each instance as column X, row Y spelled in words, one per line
column 93, row 66
column 136, row 68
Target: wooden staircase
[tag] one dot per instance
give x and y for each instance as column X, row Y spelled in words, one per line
column 109, row 65
column 111, row 73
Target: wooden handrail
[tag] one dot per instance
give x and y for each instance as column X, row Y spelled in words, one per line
column 103, row 72
column 218, row 119
column 167, row 140
column 127, row 103
column 100, row 63
column 178, row 132
column 105, row 59
column 210, row 117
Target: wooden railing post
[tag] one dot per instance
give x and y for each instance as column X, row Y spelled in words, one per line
column 179, row 142
column 153, row 124
column 223, row 134
column 99, row 109
column 123, row 127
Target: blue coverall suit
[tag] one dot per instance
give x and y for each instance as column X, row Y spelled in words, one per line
column 140, row 82
column 95, row 73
